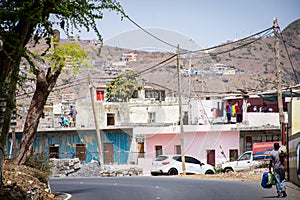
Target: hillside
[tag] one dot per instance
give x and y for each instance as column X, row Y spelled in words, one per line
column 254, row 67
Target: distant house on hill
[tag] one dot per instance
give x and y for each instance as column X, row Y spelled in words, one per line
column 128, row 57
column 221, row 69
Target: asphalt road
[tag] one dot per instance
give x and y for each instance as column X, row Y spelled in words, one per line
column 162, row 188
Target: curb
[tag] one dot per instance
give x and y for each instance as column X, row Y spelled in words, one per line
column 62, row 196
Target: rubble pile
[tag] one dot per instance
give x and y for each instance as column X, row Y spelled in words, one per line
column 73, row 168
column 64, row 167
column 87, row 170
column 132, row 171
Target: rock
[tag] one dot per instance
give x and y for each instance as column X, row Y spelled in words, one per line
column 64, row 167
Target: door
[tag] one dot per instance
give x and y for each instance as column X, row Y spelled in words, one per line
column 54, row 151
column 210, row 157
column 192, row 165
column 141, row 150
column 108, row 153
column 244, row 161
column 81, row 152
column 158, row 151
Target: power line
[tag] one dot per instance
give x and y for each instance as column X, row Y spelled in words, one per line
column 233, row 48
column 289, row 57
column 155, row 66
column 291, row 45
column 229, row 43
column 152, row 35
column 241, row 46
column 185, row 50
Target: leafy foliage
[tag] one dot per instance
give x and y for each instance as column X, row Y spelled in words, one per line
column 122, row 88
column 28, row 20
column 71, row 53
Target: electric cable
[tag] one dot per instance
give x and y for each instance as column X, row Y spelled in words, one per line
column 289, row 57
column 155, row 66
column 268, row 32
column 185, row 50
column 233, row 48
column 152, row 35
column 291, row 45
column 241, row 46
column 229, row 43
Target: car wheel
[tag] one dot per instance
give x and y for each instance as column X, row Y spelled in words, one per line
column 209, row 172
column 154, row 173
column 173, row 171
column 227, row 170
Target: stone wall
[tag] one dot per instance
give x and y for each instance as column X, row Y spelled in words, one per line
column 64, row 167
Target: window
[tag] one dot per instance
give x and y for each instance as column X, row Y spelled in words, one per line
column 161, row 158
column 192, row 160
column 110, row 119
column 246, row 156
column 248, row 143
column 233, row 154
column 151, row 116
column 177, row 149
column 54, row 151
column 81, row 151
column 185, row 118
column 158, row 151
column 269, row 138
column 100, row 95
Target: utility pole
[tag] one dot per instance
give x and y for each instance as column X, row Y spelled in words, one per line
column 278, row 76
column 96, row 123
column 180, row 114
column 190, row 69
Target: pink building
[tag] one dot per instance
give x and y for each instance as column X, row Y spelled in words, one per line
column 211, row 144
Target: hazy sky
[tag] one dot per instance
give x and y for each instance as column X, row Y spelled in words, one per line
column 207, row 22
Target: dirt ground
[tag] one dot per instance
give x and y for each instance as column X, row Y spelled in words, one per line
column 249, row 175
column 22, row 182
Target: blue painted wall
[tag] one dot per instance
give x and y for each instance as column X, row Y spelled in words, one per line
column 67, row 140
column 121, row 142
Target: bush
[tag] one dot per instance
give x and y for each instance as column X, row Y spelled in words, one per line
column 41, row 163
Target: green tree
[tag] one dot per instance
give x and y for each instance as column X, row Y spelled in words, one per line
column 122, row 88
column 45, row 82
column 22, row 21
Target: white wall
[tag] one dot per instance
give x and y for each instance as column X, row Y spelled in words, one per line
column 262, row 119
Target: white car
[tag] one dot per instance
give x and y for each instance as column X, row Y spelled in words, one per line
column 172, row 165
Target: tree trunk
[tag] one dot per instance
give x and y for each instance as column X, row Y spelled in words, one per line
column 43, row 88
column 30, row 127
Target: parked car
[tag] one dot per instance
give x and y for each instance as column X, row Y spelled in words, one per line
column 172, row 165
column 246, row 161
column 259, row 156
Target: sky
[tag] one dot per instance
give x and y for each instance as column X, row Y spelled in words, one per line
column 207, row 22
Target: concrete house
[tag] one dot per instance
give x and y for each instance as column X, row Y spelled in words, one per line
column 148, row 126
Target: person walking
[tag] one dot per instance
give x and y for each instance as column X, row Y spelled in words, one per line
column 72, row 115
column 277, row 162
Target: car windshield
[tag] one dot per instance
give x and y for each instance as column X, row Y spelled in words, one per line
column 161, row 158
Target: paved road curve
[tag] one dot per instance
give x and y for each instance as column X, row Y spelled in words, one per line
column 162, row 188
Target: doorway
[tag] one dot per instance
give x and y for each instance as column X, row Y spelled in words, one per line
column 81, row 152
column 211, row 159
column 108, row 153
